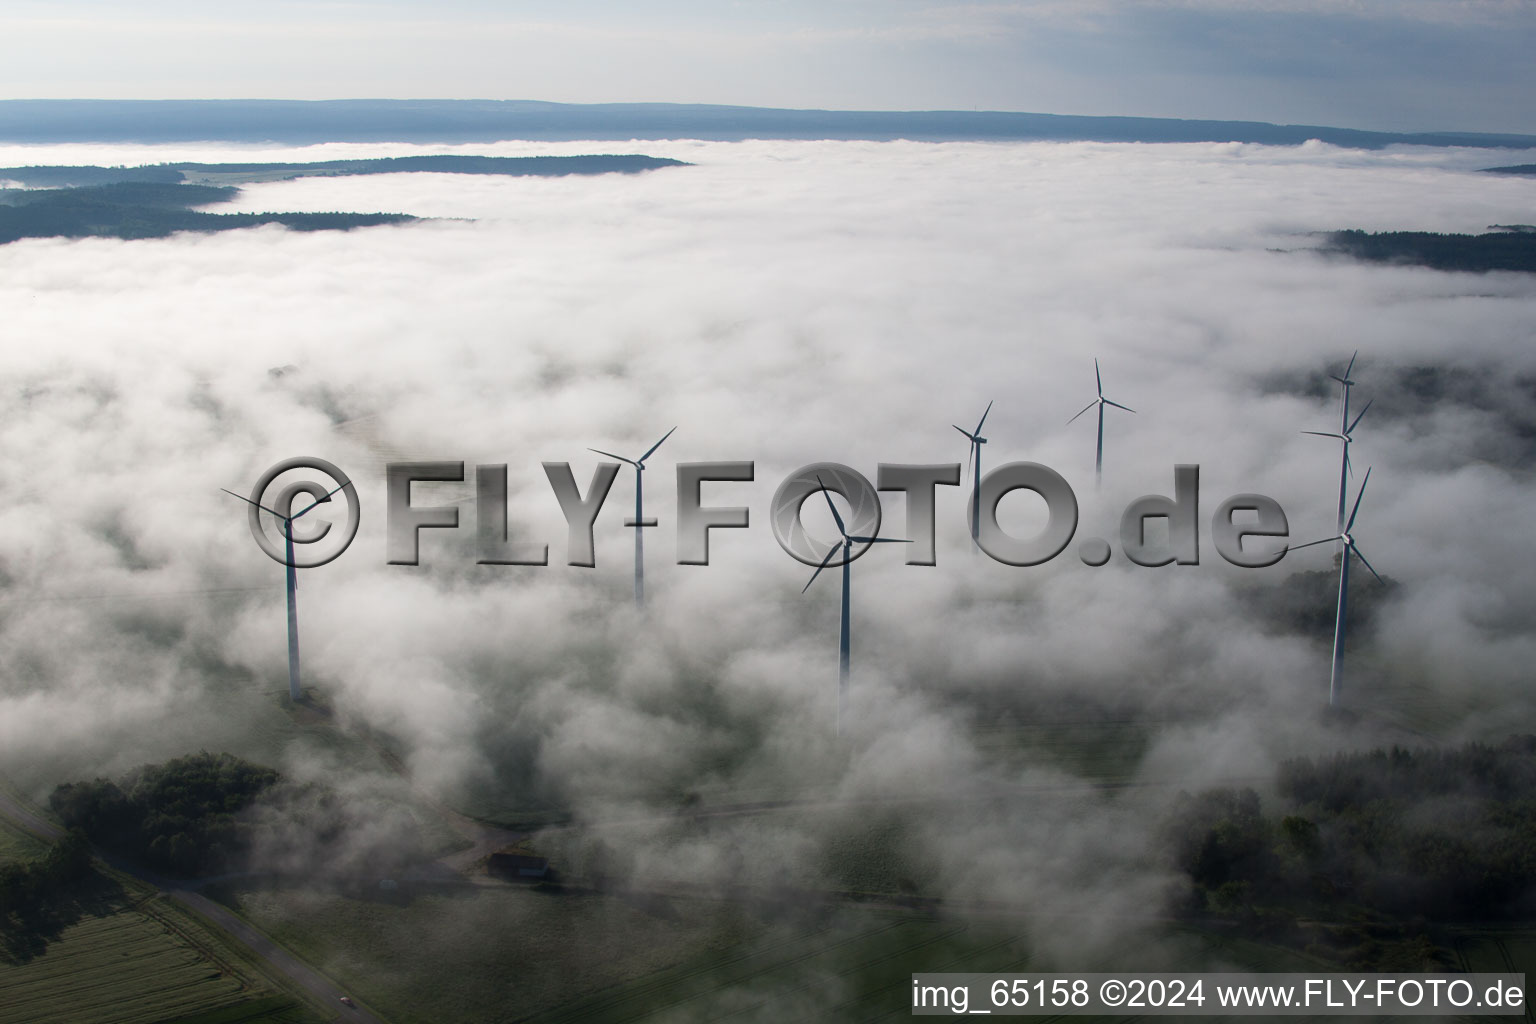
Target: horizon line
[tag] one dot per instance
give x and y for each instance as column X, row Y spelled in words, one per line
column 708, row 120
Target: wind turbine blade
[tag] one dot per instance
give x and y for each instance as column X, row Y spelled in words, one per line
column 983, row 419
column 824, row 563
column 1090, row 405
column 828, row 495
column 968, row 436
column 1341, row 380
column 316, row 502
column 1366, row 564
column 1117, row 405
column 1349, row 466
column 658, row 444
column 1363, row 484
column 1351, row 365
column 1324, row 433
column 610, row 455
column 1310, row 543
column 1098, row 378
column 878, row 540
column 258, row 504
column 1355, row 424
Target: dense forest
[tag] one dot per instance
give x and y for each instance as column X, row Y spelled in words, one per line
column 1307, row 602
column 207, row 814
column 160, row 195
column 149, row 210
column 1416, row 837
column 1496, row 250
column 174, row 173
column 184, row 816
column 72, row 177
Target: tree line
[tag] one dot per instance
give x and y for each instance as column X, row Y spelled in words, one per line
column 1442, row 835
column 184, row 817
column 28, row 890
column 1496, row 250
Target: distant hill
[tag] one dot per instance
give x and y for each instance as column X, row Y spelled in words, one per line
column 231, row 174
column 158, row 200
column 300, row 121
column 149, row 210
column 122, row 193
column 1512, row 169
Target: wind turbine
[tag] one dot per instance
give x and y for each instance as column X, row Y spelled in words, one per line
column 846, row 544
column 1346, row 432
column 1101, row 402
column 294, row 691
column 974, row 458
column 639, row 522
column 1348, row 547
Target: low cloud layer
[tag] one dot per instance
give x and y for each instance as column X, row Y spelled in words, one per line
column 785, row 303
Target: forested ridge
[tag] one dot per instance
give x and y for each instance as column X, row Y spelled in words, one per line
column 1375, row 851
column 1494, row 250
column 1447, row 834
column 157, row 200
column 173, row 173
column 149, row 210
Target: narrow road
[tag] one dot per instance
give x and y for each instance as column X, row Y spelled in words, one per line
column 279, row 960
column 262, row 949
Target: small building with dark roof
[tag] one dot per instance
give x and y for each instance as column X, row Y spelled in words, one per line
column 519, row 866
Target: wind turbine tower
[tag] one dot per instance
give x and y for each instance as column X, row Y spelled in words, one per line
column 295, row 692
column 639, row 522
column 1347, row 548
column 973, row 457
column 1101, row 402
column 844, row 640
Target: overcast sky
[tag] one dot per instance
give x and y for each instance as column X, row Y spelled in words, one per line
column 1384, row 64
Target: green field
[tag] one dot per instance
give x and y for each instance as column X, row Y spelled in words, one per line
column 117, row 952
column 16, row 845
column 135, row 958
column 267, row 1010
column 484, row 953
column 1107, row 751
column 855, row 965
column 863, row 849
column 504, row 954
column 125, row 966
